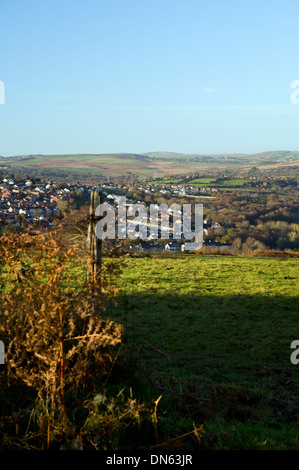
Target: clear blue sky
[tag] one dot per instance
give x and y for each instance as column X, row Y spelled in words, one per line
column 191, row 76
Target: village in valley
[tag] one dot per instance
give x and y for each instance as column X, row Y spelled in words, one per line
column 44, row 203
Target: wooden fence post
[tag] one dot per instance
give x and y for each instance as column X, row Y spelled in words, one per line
column 94, row 244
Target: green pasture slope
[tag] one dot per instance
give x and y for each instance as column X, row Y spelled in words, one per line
column 232, row 183
column 217, row 328
column 170, row 181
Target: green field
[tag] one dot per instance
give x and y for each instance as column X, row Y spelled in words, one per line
column 226, row 325
column 232, row 182
column 236, row 189
column 206, row 348
column 202, row 181
column 173, row 181
column 220, row 183
column 223, row 185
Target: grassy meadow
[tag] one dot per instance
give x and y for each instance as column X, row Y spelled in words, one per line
column 202, row 363
column 213, row 335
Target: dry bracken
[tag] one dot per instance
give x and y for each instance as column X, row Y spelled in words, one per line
column 53, row 323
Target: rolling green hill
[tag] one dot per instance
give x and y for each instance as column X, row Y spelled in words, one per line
column 152, row 164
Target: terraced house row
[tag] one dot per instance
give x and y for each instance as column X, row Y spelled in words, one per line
column 30, row 202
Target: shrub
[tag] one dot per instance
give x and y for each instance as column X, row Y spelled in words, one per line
column 53, row 323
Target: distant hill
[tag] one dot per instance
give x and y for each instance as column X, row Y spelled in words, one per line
column 151, row 164
column 188, row 156
column 276, row 155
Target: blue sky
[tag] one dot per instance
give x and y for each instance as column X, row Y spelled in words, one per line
column 188, row 76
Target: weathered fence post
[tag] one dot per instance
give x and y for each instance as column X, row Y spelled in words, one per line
column 94, row 244
column 2, row 353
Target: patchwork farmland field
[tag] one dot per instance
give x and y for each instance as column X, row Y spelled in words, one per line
column 154, row 164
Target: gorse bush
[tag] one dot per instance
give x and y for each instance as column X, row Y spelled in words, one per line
column 53, row 324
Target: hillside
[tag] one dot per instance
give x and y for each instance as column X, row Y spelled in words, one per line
column 198, row 357
column 151, row 164
column 278, row 156
column 199, row 329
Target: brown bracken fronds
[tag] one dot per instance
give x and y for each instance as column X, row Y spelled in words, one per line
column 53, row 323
